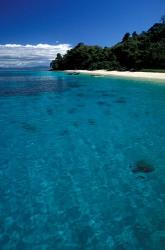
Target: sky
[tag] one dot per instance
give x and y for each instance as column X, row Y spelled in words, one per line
column 51, row 26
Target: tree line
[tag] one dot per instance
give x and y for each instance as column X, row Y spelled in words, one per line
column 135, row 52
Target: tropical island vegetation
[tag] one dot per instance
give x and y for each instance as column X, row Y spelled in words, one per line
column 135, row 52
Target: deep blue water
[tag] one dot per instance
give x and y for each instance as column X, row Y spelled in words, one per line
column 68, row 145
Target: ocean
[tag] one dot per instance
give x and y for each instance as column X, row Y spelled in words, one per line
column 82, row 162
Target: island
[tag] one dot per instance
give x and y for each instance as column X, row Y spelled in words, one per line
column 144, row 52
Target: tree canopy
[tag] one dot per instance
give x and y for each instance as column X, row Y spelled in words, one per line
column 137, row 51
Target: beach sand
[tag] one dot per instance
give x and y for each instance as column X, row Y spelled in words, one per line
column 145, row 75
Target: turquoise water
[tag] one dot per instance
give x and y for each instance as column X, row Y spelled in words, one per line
column 68, row 145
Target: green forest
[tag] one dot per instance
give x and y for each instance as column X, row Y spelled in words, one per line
column 135, row 52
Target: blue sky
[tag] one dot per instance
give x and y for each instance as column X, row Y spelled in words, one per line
column 55, row 22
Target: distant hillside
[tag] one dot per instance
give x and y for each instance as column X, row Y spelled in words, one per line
column 134, row 52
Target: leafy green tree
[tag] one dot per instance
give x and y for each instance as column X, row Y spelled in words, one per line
column 126, row 37
column 134, row 34
column 57, row 63
column 139, row 51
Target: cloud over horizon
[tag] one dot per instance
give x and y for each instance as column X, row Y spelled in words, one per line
column 18, row 55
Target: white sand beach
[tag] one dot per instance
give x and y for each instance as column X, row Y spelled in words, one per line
column 145, row 75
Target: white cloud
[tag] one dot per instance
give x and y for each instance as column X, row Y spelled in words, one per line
column 17, row 55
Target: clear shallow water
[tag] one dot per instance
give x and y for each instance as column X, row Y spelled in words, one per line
column 67, row 145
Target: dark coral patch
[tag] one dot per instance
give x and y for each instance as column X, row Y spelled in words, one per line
column 107, row 94
column 101, row 103
column 49, row 111
column 91, row 122
column 29, row 127
column 64, row 132
column 72, row 110
column 121, row 100
column 76, row 124
column 80, row 94
column 75, row 85
column 142, row 166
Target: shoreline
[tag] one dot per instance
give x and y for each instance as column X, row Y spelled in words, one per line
column 127, row 74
